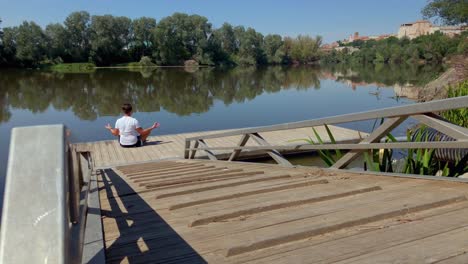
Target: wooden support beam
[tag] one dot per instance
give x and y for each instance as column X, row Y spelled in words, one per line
column 210, row 154
column 351, row 146
column 242, row 142
column 375, row 136
column 194, row 150
column 273, row 152
column 441, row 125
column 407, row 110
column 187, row 146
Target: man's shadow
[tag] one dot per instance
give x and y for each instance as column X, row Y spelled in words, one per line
column 142, row 235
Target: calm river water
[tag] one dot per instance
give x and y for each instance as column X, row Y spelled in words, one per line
column 205, row 99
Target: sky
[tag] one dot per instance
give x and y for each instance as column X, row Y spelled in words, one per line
column 332, row 19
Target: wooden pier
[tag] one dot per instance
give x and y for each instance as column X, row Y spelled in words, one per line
column 197, row 211
column 109, row 153
column 167, row 203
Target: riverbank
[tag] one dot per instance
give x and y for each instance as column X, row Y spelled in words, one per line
column 438, row 88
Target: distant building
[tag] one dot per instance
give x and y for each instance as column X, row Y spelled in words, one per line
column 415, row 29
column 356, row 36
column 425, row 27
column 346, row 49
column 329, row 47
column 450, row 30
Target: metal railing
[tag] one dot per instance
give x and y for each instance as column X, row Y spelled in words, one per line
column 394, row 116
column 46, row 198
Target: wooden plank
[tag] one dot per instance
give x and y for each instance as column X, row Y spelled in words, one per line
column 194, row 151
column 351, row 244
column 184, row 175
column 389, row 145
column 216, row 185
column 242, row 142
column 199, row 179
column 425, row 250
column 280, row 234
column 167, row 170
column 276, row 205
column 246, row 193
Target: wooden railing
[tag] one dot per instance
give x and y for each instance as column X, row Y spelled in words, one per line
column 425, row 113
column 47, row 193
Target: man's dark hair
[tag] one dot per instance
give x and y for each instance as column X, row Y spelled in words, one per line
column 127, row 108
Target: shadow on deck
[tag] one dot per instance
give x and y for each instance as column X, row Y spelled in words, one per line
column 142, row 235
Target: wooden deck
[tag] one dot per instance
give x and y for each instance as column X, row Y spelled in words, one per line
column 198, row 211
column 109, row 153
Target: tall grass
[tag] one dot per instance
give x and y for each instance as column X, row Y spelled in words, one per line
column 458, row 116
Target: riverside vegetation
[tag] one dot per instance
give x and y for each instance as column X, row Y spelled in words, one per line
column 117, row 40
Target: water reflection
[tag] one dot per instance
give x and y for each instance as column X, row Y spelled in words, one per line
column 90, row 95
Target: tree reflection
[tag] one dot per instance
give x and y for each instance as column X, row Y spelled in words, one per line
column 90, row 95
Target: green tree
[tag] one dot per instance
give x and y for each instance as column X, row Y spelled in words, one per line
column 2, row 56
column 110, row 39
column 77, row 25
column 451, row 12
column 273, row 45
column 227, row 38
column 250, row 47
column 57, row 42
column 181, row 37
column 305, row 49
column 9, row 45
column 30, row 44
column 142, row 44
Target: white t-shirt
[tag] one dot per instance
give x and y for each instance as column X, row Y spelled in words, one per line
column 127, row 126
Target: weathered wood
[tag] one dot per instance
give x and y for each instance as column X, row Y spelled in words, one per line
column 169, row 146
column 275, row 206
column 413, row 109
column 248, row 193
column 436, row 122
column 307, row 228
column 194, row 150
column 187, row 146
column 210, row 154
column 375, row 136
column 74, row 186
column 273, row 153
column 389, row 145
column 282, row 215
column 242, row 142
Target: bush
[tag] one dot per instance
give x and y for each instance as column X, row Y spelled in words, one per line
column 145, row 61
column 74, row 67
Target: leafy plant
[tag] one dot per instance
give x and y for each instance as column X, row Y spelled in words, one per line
column 326, row 155
column 420, row 161
column 379, row 160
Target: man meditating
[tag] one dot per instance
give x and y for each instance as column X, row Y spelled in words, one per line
column 129, row 130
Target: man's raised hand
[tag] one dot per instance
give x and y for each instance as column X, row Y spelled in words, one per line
column 155, row 125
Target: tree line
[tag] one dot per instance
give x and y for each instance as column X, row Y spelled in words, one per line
column 110, row 40
column 426, row 49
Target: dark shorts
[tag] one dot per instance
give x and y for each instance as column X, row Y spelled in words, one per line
column 139, row 143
